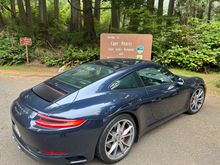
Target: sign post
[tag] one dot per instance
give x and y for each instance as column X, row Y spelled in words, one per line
column 27, row 42
column 138, row 46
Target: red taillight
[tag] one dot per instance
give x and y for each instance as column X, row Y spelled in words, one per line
column 52, row 153
column 51, row 122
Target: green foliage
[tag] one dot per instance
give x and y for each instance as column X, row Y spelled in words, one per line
column 195, row 46
column 69, row 55
column 10, row 51
column 76, row 55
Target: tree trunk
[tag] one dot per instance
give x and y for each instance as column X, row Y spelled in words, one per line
column 89, row 26
column 171, row 8
column 150, row 5
column 115, row 14
column 1, row 21
column 170, row 11
column 43, row 13
column 22, row 12
column 13, row 9
column 28, row 14
column 75, row 16
column 160, row 11
column 97, row 10
column 56, row 9
column 210, row 10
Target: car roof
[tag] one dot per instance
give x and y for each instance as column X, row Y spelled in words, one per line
column 118, row 63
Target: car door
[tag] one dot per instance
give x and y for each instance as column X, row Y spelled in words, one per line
column 167, row 97
column 131, row 94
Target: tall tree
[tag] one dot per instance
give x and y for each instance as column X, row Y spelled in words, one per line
column 97, row 10
column 13, row 9
column 88, row 19
column 1, row 19
column 150, row 5
column 43, row 13
column 28, row 13
column 210, row 10
column 75, row 15
column 115, row 14
column 56, row 9
column 22, row 12
column 160, row 10
column 171, row 8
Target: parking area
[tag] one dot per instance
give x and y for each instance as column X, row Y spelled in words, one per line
column 185, row 140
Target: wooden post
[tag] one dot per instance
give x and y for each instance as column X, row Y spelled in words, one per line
column 27, row 58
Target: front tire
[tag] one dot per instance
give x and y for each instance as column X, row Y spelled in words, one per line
column 117, row 139
column 196, row 101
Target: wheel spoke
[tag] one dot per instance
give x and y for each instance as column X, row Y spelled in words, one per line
column 192, row 105
column 114, row 146
column 123, row 126
column 125, row 144
column 111, row 134
column 110, row 141
column 200, row 93
column 118, row 128
column 200, row 99
column 121, row 147
column 115, row 151
column 127, row 130
column 130, row 134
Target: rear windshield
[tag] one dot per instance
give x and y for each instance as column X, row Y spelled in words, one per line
column 84, row 75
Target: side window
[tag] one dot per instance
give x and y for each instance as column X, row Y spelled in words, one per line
column 127, row 82
column 155, row 76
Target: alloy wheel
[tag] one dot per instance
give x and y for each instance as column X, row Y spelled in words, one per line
column 119, row 139
column 197, row 100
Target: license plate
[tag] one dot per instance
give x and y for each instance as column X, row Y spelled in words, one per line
column 17, row 130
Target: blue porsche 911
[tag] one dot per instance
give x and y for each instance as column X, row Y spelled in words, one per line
column 100, row 109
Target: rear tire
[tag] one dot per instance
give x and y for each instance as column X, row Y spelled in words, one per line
column 117, row 139
column 196, row 101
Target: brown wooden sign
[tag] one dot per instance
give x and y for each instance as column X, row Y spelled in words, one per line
column 26, row 42
column 137, row 46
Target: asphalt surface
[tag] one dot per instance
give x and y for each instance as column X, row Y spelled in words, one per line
column 185, row 140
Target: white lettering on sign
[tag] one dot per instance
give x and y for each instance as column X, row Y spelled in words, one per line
column 114, row 43
column 123, row 43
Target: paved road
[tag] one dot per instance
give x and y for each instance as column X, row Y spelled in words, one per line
column 185, row 140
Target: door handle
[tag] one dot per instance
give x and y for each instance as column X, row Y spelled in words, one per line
column 156, row 99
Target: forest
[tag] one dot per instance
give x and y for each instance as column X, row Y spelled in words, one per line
column 186, row 32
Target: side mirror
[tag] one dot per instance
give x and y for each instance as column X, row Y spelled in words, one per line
column 180, row 81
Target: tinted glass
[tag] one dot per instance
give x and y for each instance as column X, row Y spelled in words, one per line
column 126, row 82
column 84, row 75
column 155, row 76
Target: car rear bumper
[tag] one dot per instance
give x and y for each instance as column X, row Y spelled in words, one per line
column 50, row 159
